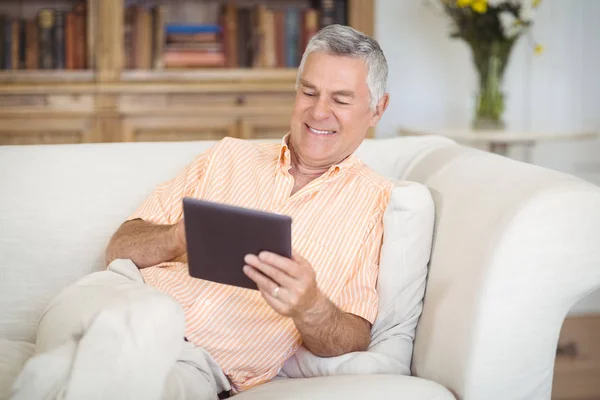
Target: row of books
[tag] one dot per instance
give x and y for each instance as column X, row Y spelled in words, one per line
column 54, row 39
column 243, row 37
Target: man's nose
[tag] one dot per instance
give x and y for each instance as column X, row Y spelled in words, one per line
column 321, row 109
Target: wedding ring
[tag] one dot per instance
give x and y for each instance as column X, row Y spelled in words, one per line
column 276, row 292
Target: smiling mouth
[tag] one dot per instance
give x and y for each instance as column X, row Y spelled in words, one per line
column 318, row 131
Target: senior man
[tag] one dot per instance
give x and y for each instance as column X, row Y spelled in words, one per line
column 325, row 296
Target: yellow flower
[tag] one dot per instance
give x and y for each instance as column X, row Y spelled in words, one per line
column 479, row 6
column 539, row 49
column 536, row 3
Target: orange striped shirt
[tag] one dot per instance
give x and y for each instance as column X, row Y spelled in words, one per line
column 336, row 225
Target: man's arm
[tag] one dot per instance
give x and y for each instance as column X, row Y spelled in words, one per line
column 146, row 244
column 328, row 331
column 289, row 287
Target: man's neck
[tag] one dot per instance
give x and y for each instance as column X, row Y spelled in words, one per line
column 303, row 173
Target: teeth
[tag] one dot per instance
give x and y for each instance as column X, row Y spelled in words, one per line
column 318, row 132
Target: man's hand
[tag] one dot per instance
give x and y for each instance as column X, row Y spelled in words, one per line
column 290, row 288
column 288, row 285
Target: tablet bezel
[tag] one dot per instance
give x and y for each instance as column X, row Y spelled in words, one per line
column 219, row 235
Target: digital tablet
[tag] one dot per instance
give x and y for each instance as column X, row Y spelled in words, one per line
column 219, row 236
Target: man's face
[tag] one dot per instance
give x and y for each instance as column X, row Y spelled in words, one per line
column 331, row 114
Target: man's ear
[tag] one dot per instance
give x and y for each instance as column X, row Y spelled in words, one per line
column 379, row 109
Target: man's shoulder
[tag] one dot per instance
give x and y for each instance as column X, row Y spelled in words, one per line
column 371, row 178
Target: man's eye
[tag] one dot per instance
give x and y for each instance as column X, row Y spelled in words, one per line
column 310, row 94
column 342, row 102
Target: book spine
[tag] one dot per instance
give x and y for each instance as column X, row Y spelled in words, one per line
column 32, row 55
column 258, row 36
column 270, row 49
column 311, row 26
column 15, row 45
column 243, row 35
column 7, row 60
column 184, row 60
column 292, row 36
column 22, row 44
column 158, row 35
column 186, row 29
column 70, row 61
column 80, row 42
column 231, row 36
column 280, row 37
column 3, row 20
column 327, row 12
column 340, row 15
column 45, row 27
column 59, row 39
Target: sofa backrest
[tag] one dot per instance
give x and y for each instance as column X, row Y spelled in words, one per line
column 60, row 204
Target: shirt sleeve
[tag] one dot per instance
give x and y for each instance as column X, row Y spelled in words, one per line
column 359, row 296
column 164, row 205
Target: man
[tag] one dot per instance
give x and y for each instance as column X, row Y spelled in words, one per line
column 325, row 296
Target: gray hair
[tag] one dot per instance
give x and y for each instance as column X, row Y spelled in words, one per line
column 341, row 40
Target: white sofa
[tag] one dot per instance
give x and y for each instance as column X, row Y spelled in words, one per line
column 515, row 247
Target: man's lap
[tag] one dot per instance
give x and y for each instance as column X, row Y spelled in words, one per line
column 112, row 316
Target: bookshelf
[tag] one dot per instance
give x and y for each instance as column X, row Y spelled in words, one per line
column 108, row 101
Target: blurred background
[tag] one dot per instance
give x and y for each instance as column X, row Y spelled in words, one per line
column 515, row 77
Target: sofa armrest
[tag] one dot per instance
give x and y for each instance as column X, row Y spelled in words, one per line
column 515, row 247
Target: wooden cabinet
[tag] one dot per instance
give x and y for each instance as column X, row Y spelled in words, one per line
column 107, row 103
column 577, row 367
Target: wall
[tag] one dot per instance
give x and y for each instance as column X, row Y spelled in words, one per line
column 432, row 82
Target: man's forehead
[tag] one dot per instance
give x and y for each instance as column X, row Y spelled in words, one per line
column 338, row 88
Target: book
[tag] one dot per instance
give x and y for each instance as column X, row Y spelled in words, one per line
column 32, row 55
column 59, row 39
column 15, row 44
column 80, row 34
column 292, row 37
column 193, row 59
column 45, row 30
column 186, row 29
column 158, row 35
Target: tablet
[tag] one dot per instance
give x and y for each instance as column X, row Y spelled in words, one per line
column 219, row 236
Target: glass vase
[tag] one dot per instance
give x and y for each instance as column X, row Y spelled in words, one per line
column 490, row 61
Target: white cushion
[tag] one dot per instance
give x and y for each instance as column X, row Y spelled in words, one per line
column 349, row 388
column 13, row 356
column 405, row 252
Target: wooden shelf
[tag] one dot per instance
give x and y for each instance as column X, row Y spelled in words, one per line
column 46, row 76
column 108, row 103
column 211, row 75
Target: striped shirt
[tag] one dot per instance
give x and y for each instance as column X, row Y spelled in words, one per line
column 336, row 225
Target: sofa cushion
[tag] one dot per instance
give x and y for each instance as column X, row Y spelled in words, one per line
column 349, row 388
column 405, row 252
column 13, row 356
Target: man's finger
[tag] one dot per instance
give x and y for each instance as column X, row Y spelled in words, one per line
column 260, row 279
column 285, row 264
column 278, row 275
column 267, row 287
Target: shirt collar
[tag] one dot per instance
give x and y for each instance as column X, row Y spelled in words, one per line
column 285, row 159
